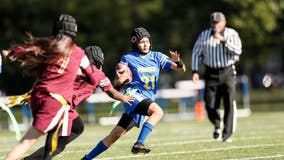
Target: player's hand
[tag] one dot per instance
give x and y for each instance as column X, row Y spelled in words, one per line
column 6, row 52
column 79, row 72
column 175, row 56
column 195, row 77
column 219, row 36
column 128, row 99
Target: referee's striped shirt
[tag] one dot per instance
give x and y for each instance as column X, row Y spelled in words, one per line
column 215, row 54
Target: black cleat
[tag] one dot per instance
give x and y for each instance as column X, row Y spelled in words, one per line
column 227, row 138
column 217, row 134
column 140, row 148
column 84, row 158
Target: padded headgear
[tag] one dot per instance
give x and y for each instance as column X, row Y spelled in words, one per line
column 95, row 56
column 65, row 24
column 136, row 35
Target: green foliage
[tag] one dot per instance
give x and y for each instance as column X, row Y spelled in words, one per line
column 172, row 24
column 257, row 20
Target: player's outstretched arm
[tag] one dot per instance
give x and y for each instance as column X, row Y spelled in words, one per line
column 5, row 52
column 178, row 65
column 10, row 54
column 113, row 93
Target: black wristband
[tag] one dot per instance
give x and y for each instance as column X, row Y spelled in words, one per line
column 179, row 64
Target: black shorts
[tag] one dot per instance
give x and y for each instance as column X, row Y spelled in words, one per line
column 127, row 122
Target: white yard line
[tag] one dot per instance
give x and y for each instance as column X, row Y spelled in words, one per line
column 175, row 143
column 188, row 152
column 206, row 141
column 259, row 157
column 196, row 151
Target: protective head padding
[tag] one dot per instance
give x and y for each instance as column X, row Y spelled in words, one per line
column 95, row 56
column 136, row 35
column 65, row 24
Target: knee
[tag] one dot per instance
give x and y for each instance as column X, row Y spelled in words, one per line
column 157, row 111
column 160, row 112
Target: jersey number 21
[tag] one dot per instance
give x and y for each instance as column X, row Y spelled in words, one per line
column 149, row 82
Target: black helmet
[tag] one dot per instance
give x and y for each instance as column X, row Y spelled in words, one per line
column 65, row 24
column 136, row 35
column 95, row 56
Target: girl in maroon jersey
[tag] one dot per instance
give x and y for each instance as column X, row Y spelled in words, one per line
column 55, row 62
column 82, row 89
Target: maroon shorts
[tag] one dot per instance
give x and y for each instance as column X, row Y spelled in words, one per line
column 48, row 112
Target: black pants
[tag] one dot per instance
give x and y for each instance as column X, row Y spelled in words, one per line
column 43, row 152
column 221, row 84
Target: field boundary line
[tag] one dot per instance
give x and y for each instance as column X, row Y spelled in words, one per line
column 188, row 141
column 182, row 152
column 259, row 157
column 196, row 151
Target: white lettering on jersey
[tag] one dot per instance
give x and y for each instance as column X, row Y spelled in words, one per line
column 147, row 69
column 104, row 82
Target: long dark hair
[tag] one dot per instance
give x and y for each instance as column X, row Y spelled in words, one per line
column 39, row 52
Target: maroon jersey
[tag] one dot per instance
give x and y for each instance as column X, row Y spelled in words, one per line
column 59, row 78
column 83, row 89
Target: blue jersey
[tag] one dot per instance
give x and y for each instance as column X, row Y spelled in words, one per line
column 145, row 75
column 146, row 70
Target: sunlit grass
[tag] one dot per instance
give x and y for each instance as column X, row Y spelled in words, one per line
column 260, row 135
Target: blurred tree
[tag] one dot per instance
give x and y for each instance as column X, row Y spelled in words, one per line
column 260, row 24
column 172, row 24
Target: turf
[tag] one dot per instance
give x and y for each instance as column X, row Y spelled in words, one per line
column 260, row 136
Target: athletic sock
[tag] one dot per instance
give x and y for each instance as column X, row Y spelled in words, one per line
column 145, row 131
column 101, row 147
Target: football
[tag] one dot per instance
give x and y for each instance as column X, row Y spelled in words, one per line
column 125, row 70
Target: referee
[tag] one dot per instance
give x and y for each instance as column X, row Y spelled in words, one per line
column 218, row 48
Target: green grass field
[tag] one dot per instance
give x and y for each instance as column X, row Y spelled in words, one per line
column 260, row 136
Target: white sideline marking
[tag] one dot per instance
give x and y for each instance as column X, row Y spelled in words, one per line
column 197, row 151
column 261, row 157
column 205, row 140
column 187, row 152
column 182, row 142
column 175, row 143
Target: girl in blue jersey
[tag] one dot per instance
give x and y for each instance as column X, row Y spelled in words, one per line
column 145, row 66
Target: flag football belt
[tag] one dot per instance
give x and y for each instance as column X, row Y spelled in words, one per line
column 63, row 122
column 13, row 120
column 130, row 92
column 18, row 100
column 15, row 100
column 24, row 98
